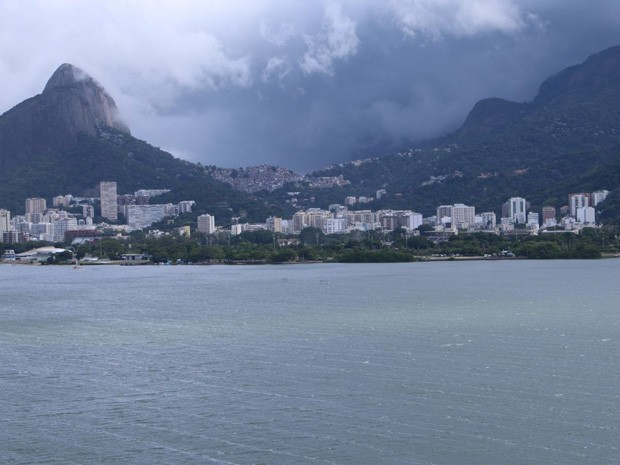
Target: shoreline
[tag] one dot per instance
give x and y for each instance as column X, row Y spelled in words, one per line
column 308, row 262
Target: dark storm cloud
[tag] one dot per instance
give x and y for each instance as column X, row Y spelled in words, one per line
column 299, row 84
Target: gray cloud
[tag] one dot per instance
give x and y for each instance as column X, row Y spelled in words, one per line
column 299, row 84
column 337, row 41
column 437, row 18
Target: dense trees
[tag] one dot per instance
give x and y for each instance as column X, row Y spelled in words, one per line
column 369, row 246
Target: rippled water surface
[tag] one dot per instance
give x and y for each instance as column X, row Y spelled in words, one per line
column 431, row 363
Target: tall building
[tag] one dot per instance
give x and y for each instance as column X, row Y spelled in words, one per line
column 236, row 229
column 362, row 219
column 109, row 202
column 586, row 215
column 516, row 210
column 5, row 222
column 315, row 217
column 463, row 216
column 334, row 225
column 394, row 219
column 458, row 215
column 274, row 223
column 62, row 226
column 36, row 205
column 576, row 201
column 206, row 224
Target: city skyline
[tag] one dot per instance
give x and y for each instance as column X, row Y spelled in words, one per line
column 57, row 225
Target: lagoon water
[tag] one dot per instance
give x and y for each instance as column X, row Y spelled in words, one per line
column 507, row 362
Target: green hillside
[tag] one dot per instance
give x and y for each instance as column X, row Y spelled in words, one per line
column 566, row 140
column 133, row 164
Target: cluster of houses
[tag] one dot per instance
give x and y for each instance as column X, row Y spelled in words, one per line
column 516, row 217
column 72, row 218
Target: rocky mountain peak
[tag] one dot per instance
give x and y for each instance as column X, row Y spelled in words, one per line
column 71, row 80
column 68, row 75
column 71, row 104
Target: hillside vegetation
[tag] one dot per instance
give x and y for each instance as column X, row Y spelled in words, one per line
column 566, row 140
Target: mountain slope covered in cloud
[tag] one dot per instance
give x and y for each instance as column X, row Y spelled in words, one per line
column 299, row 84
column 567, row 139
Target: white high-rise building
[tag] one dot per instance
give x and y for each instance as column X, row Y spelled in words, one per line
column 586, row 215
column 5, row 221
column 36, row 205
column 315, row 217
column 463, row 216
column 274, row 223
column 206, row 224
column 412, row 220
column 516, row 210
column 576, row 201
column 62, row 226
column 109, row 201
column 394, row 219
column 334, row 225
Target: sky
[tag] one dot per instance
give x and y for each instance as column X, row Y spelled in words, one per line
column 298, row 83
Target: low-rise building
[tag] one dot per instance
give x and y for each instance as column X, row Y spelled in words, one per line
column 143, row 216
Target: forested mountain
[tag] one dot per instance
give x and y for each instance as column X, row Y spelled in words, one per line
column 566, row 140
column 70, row 137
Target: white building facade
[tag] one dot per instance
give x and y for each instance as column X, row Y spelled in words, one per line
column 206, row 224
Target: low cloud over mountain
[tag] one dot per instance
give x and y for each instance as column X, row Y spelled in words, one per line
column 299, row 85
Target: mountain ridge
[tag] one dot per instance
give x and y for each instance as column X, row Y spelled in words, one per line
column 563, row 140
column 71, row 103
column 542, row 149
column 70, row 137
